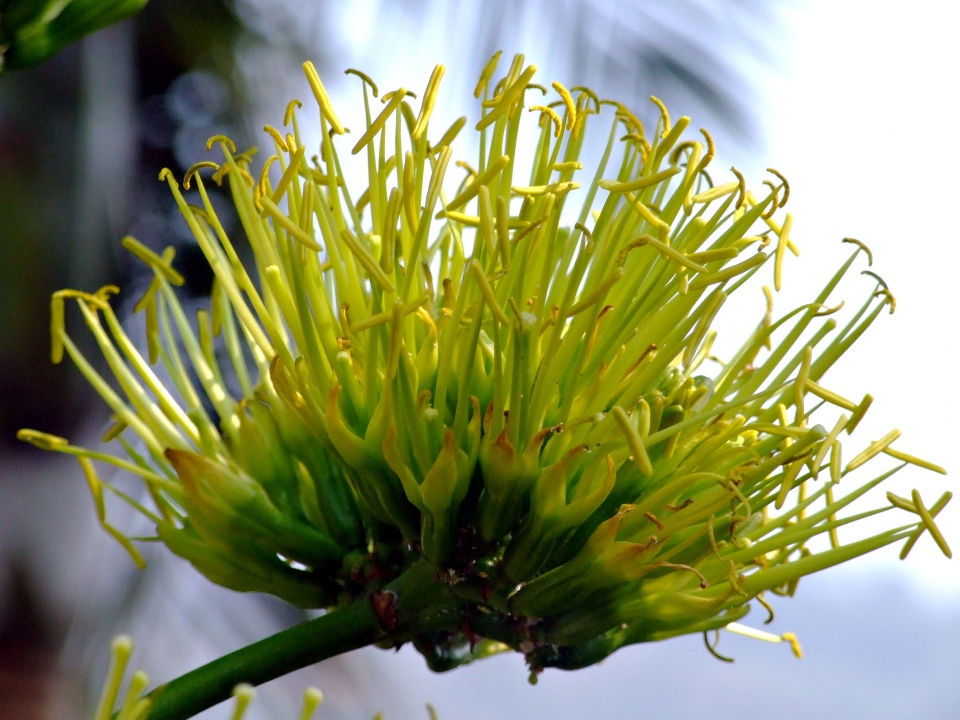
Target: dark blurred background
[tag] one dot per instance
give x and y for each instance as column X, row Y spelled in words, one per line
column 82, row 139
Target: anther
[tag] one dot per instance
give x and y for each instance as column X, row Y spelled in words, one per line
column 550, row 113
column 224, row 140
column 665, row 116
column 364, row 77
column 854, row 241
column 149, row 257
column 568, row 101
column 277, row 138
column 194, row 169
column 786, row 185
column 323, row 100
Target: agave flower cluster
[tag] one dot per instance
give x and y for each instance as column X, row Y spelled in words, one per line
column 436, row 371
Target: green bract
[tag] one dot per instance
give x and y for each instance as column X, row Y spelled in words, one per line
column 495, row 429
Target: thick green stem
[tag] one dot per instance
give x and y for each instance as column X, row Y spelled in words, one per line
column 337, row 632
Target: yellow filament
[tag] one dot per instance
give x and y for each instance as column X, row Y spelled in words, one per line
column 148, row 256
column 488, row 295
column 727, row 273
column 783, row 238
column 555, row 188
column 551, row 113
column 451, row 133
column 323, row 100
column 381, row 120
column 874, row 449
column 715, row 192
column 568, row 101
column 473, row 188
column 244, row 695
column 826, row 444
column 429, row 99
column 913, row 460
column 311, row 701
column 508, row 97
column 634, row 442
column 385, row 317
column 670, row 253
column 830, row 396
column 933, row 511
column 369, row 262
column 662, row 228
column 288, row 175
column 930, row 525
column 121, row 650
column 57, row 328
column 287, row 224
column 596, row 294
column 640, row 183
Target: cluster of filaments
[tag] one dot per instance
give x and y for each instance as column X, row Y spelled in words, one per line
column 114, row 704
column 439, row 363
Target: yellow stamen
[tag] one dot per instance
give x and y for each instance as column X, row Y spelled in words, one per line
column 551, row 113
column 874, row 449
column 311, row 701
column 377, row 125
column 933, row 511
column 711, row 150
column 663, row 229
column 363, row 76
column 288, row 175
column 826, row 444
column 727, row 273
column 148, row 256
column 786, row 186
column 643, row 182
column 292, row 106
column 429, row 99
column 195, row 168
column 322, row 99
column 277, row 138
column 568, row 101
column 634, row 442
column 222, row 139
column 930, row 524
column 488, row 295
column 488, row 70
column 473, row 188
column 596, row 294
column 783, row 238
column 854, row 241
column 913, row 460
column 269, row 208
column 715, row 192
column 665, row 116
column 369, row 262
column 451, row 133
column 555, row 188
column 508, row 97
